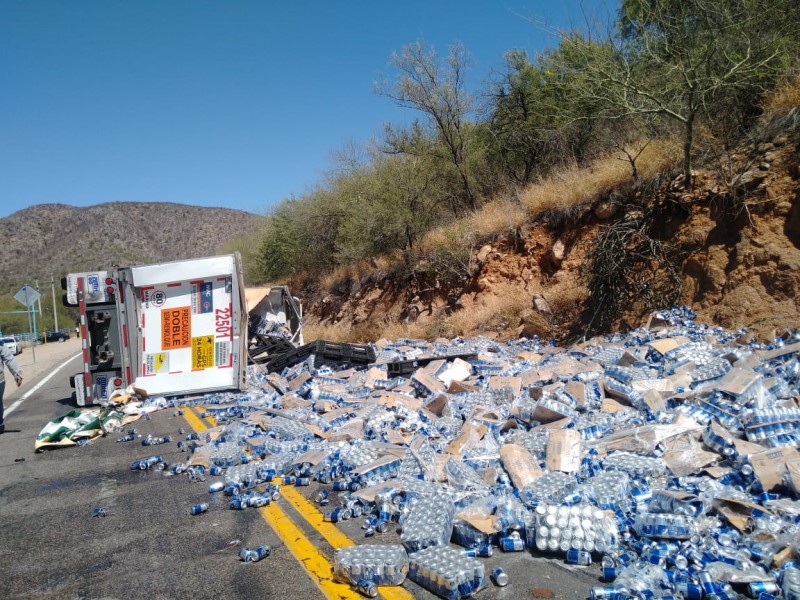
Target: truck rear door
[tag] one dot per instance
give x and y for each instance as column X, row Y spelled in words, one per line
column 189, row 318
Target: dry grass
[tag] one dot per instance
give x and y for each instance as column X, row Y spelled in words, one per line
column 496, row 217
column 566, row 299
column 569, row 188
column 785, row 97
column 362, row 332
column 340, row 332
column 578, row 186
column 347, row 272
column 448, row 236
column 476, row 229
column 500, row 311
column 508, row 307
column 503, row 311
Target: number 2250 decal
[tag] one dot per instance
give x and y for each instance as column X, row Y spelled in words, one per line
column 223, row 322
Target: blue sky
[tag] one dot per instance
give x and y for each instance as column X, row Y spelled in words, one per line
column 218, row 103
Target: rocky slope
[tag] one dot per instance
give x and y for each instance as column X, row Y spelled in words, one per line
column 55, row 238
column 729, row 248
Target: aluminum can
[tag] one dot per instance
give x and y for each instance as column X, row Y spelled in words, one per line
column 579, row 557
column 499, row 576
column 259, row 553
column 757, row 588
column 197, row 509
column 708, row 585
column 336, row 515
column 512, row 544
column 366, row 587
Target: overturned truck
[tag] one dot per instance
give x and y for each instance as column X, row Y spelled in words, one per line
column 183, row 327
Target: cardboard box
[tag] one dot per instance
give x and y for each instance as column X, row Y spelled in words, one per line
column 564, row 450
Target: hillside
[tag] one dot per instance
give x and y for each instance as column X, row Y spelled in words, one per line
column 53, row 239
column 729, row 248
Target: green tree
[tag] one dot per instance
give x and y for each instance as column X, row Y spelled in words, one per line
column 535, row 123
column 386, row 202
column 248, row 247
column 678, row 60
column 299, row 237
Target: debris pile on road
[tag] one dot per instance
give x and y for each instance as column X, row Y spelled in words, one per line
column 669, row 453
column 77, row 427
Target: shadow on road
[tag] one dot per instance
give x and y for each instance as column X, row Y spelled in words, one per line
column 69, row 401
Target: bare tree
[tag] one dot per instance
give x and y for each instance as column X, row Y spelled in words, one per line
column 437, row 89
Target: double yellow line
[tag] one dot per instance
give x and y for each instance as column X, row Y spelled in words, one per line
column 308, row 555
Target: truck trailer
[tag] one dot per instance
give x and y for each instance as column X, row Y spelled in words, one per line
column 171, row 328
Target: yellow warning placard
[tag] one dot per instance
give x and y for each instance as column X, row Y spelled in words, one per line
column 203, row 352
column 176, row 328
column 156, row 363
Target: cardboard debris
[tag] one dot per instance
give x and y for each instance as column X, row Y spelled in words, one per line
column 427, row 382
column 685, row 455
column 564, row 450
column 770, row 465
column 470, row 435
column 737, row 381
column 458, row 370
column 675, row 397
column 201, row 457
column 610, row 405
column 664, row 345
column 513, row 383
column 522, row 468
column 738, row 512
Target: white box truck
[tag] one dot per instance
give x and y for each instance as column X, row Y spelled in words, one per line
column 172, row 328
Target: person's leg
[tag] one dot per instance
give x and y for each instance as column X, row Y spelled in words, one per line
column 2, row 391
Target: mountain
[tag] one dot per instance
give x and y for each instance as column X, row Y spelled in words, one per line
column 54, row 239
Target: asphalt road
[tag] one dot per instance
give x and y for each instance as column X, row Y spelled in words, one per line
column 149, row 546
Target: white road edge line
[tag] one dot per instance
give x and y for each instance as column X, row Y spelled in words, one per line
column 27, row 394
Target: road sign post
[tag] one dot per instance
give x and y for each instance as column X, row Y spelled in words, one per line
column 27, row 296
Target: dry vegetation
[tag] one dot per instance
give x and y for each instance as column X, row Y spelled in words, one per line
column 576, row 186
column 564, row 191
column 501, row 309
column 568, row 190
column 495, row 296
column 784, row 99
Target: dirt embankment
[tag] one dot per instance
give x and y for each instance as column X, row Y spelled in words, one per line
column 733, row 243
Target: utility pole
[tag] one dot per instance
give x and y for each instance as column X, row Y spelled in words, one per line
column 55, row 313
column 40, row 299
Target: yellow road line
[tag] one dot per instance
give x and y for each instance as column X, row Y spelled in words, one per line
column 193, row 419
column 306, row 553
column 299, row 545
column 333, row 535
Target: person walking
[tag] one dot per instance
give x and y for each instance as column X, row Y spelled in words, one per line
column 8, row 361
